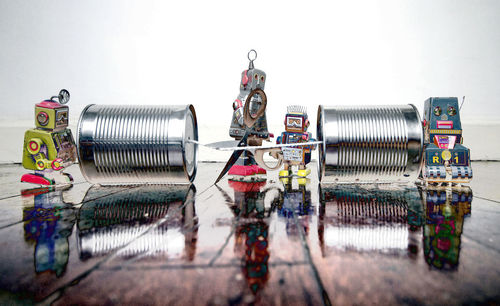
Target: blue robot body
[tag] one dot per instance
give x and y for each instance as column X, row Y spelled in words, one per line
column 446, row 159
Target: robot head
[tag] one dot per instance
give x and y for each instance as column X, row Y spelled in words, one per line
column 252, row 79
column 52, row 115
column 442, row 120
column 442, row 113
column 296, row 119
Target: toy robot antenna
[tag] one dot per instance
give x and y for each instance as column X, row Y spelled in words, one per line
column 463, row 100
column 63, row 96
column 251, row 58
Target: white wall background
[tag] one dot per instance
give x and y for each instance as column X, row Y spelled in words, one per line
column 179, row 52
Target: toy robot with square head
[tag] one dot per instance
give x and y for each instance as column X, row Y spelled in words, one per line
column 50, row 146
column 296, row 124
column 446, row 159
column 251, row 79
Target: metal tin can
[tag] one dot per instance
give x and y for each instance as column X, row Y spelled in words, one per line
column 125, row 144
column 369, row 144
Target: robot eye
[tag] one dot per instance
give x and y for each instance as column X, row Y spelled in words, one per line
column 437, row 111
column 256, row 76
column 262, row 78
column 452, row 111
column 42, row 118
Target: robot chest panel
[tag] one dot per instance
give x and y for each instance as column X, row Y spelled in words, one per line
column 293, row 138
column 63, row 139
column 65, row 145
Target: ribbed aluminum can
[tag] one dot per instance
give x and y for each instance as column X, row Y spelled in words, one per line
column 369, row 144
column 130, row 144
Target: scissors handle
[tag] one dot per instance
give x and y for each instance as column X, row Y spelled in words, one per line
column 248, row 118
column 274, row 152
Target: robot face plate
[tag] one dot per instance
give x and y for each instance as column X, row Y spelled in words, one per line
column 252, row 79
column 439, row 109
column 62, row 117
column 294, row 123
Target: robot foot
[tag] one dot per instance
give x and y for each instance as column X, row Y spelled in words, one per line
column 259, row 170
column 304, row 172
column 303, row 181
column 241, row 170
column 250, row 173
column 37, row 179
column 284, row 173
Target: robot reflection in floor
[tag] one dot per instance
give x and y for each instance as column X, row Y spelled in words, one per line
column 296, row 124
column 48, row 223
column 446, row 211
column 251, row 79
column 251, row 242
column 294, row 206
column 50, row 146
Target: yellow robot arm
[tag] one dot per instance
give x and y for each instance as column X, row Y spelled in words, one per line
column 33, row 147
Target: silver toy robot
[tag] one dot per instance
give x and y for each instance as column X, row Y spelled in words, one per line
column 251, row 79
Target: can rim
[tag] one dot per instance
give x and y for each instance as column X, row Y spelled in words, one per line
column 191, row 176
column 78, row 136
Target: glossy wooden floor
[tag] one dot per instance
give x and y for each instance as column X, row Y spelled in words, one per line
column 243, row 243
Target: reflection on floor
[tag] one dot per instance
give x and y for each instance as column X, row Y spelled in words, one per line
column 270, row 242
column 125, row 224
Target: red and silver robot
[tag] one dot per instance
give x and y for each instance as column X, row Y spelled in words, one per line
column 50, row 146
column 296, row 124
column 251, row 79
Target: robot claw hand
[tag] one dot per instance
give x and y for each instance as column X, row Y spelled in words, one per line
column 57, row 164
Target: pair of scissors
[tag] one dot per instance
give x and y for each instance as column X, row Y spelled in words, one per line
column 249, row 119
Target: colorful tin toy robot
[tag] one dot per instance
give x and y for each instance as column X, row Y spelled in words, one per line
column 50, row 146
column 252, row 80
column 296, row 124
column 446, row 159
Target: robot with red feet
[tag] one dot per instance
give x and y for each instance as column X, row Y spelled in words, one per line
column 252, row 93
column 50, row 146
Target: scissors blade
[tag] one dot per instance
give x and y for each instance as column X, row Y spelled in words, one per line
column 234, row 157
column 232, row 160
column 223, row 145
column 226, row 146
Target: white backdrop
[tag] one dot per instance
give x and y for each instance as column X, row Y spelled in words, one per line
column 179, row 52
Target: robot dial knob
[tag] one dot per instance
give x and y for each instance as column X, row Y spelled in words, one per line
column 42, row 118
column 63, row 96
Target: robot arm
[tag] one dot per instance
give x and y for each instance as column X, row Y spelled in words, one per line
column 281, row 139
column 238, row 111
column 41, row 161
column 313, row 147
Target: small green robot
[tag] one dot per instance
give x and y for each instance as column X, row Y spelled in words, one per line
column 50, row 146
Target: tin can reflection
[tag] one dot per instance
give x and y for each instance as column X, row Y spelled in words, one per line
column 148, row 221
column 370, row 220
